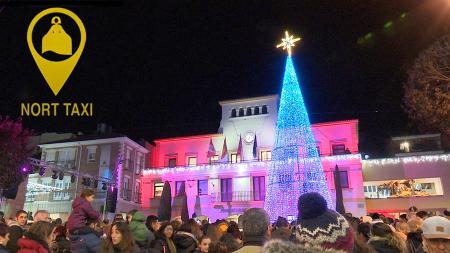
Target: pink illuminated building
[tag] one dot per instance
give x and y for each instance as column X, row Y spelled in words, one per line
column 227, row 183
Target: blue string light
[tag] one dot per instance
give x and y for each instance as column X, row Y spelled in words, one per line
column 295, row 173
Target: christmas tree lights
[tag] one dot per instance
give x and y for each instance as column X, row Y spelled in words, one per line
column 294, row 143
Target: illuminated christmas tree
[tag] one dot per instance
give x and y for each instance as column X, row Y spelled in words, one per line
column 296, row 166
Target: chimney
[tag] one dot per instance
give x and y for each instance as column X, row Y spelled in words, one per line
column 103, row 128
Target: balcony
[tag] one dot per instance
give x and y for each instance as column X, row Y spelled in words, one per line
column 70, row 164
column 238, row 196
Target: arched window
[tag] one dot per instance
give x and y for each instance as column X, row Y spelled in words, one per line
column 264, row 109
column 241, row 112
column 249, row 111
column 233, row 113
column 256, row 110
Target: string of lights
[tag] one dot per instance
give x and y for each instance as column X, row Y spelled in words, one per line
column 408, row 159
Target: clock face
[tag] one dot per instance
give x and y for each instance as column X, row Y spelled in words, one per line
column 249, row 137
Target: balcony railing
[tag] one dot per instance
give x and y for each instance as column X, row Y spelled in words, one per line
column 237, row 196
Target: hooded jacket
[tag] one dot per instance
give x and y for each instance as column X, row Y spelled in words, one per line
column 31, row 246
column 185, row 242
column 381, row 245
column 81, row 211
column 414, row 242
column 138, row 228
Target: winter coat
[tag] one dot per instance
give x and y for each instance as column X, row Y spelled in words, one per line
column 381, row 245
column 161, row 245
column 3, row 249
column 31, row 246
column 81, row 211
column 138, row 228
column 15, row 233
column 414, row 242
column 185, row 242
column 85, row 243
column 252, row 245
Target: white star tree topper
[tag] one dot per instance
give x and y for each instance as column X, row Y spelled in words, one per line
column 288, row 42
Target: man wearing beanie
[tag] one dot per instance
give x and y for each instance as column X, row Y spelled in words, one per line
column 318, row 225
column 255, row 224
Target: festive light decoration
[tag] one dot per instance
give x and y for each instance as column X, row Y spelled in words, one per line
column 248, row 166
column 295, row 143
column 288, row 42
column 408, row 159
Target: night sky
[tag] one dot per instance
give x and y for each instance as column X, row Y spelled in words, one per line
column 157, row 69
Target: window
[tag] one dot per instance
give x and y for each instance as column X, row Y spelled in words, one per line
column 91, row 154
column 127, row 158
column 202, row 187
column 172, row 162
column 137, row 192
column 213, row 159
column 66, row 157
column 264, row 109
column 404, row 146
column 126, row 189
column 226, row 190
column 249, row 111
column 191, row 161
column 157, row 189
column 256, row 110
column 235, row 158
column 266, row 155
column 241, row 112
column 344, row 179
column 139, row 164
column 178, row 187
column 338, row 149
column 233, row 113
column 259, row 188
column 50, row 156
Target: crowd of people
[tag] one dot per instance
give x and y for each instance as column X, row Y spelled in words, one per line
column 317, row 229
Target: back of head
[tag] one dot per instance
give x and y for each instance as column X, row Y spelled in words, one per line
column 255, row 222
column 415, row 224
column 402, row 227
column 384, row 231
column 4, row 230
column 231, row 242
column 217, row 247
column 364, row 229
column 214, row 232
column 281, row 222
column 41, row 230
column 191, row 227
column 41, row 215
column 422, row 214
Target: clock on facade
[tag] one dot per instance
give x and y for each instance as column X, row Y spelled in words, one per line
column 249, row 137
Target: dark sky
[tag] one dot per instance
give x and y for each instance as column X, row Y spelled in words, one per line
column 157, row 69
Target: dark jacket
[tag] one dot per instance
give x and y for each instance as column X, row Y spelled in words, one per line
column 381, row 245
column 81, row 211
column 3, row 249
column 160, row 245
column 414, row 242
column 85, row 243
column 63, row 244
column 185, row 242
column 28, row 245
column 15, row 233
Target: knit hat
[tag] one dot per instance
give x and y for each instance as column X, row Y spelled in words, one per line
column 318, row 225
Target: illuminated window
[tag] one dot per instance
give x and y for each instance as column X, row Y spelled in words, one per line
column 338, row 149
column 235, row 158
column 226, row 190
column 202, row 187
column 249, row 111
column 192, row 161
column 344, row 179
column 266, row 155
column 157, row 189
column 264, row 109
column 259, row 188
column 404, row 147
column 233, row 113
column 172, row 162
column 213, row 159
column 177, row 187
column 91, row 154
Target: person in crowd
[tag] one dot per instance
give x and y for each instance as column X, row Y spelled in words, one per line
column 62, row 243
column 185, row 238
column 152, row 223
column 447, row 214
column 384, row 240
column 376, row 218
column 214, row 232
column 318, row 225
column 422, row 215
column 16, row 230
column 256, row 230
column 82, row 210
column 163, row 242
column 233, row 229
column 120, row 240
column 58, row 222
column 130, row 215
column 176, row 223
column 280, row 246
column 139, row 230
column 436, row 235
column 106, row 227
column 88, row 242
column 402, row 229
column 4, row 238
column 2, row 217
column 414, row 237
column 41, row 215
column 363, row 232
column 281, row 230
column 412, row 212
column 203, row 244
column 38, row 238
column 217, row 247
column 403, row 217
column 366, row 219
column 118, row 218
column 231, row 242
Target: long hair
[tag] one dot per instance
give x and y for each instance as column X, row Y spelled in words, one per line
column 126, row 245
column 384, row 231
column 40, row 231
column 160, row 233
column 191, row 227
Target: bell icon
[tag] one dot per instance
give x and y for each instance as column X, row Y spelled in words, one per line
column 56, row 39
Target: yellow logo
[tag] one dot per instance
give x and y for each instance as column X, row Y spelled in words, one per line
column 59, row 43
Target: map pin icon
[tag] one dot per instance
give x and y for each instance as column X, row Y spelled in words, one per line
column 56, row 73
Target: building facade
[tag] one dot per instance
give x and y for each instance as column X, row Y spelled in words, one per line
column 87, row 162
column 223, row 183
